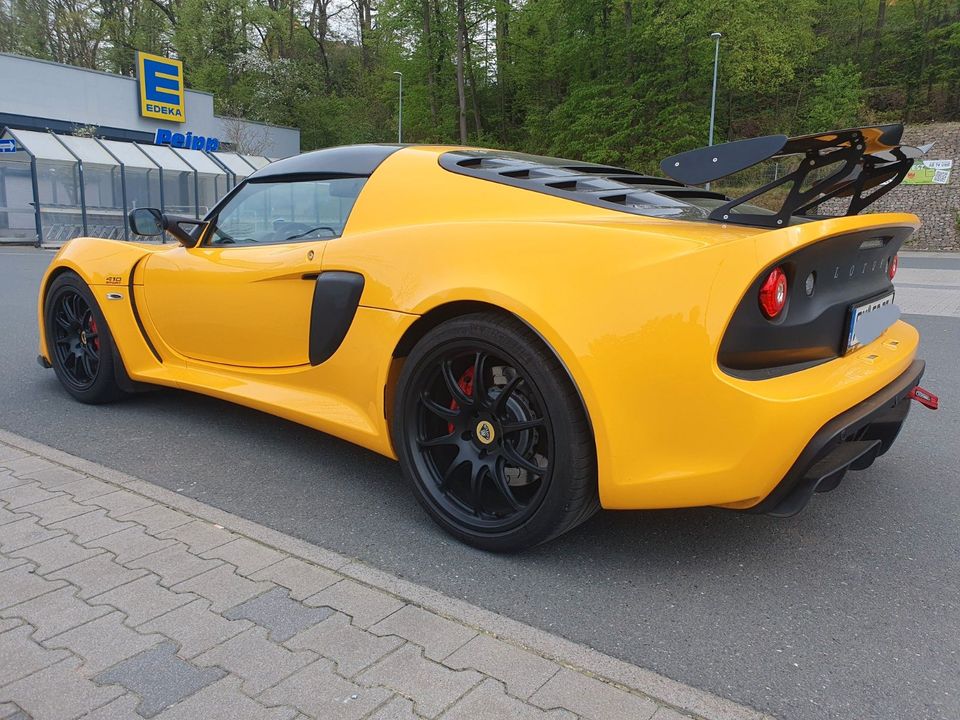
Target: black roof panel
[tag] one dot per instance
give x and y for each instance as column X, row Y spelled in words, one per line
column 344, row 161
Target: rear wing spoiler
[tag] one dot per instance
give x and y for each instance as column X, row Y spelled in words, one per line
column 869, row 162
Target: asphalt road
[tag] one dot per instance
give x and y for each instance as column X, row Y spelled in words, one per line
column 849, row 610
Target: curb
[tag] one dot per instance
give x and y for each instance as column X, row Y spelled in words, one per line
column 552, row 647
column 929, row 253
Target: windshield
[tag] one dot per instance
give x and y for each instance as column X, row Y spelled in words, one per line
column 285, row 211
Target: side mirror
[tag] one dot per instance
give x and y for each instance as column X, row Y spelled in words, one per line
column 150, row 222
column 146, row 221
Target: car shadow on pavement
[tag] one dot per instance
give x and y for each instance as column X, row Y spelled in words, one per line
column 353, row 501
column 286, row 472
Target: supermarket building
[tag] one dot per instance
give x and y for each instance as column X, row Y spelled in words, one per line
column 81, row 148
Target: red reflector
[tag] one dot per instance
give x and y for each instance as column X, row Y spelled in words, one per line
column 773, row 293
column 894, row 263
column 924, row 397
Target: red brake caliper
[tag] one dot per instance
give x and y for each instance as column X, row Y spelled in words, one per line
column 93, row 329
column 466, row 384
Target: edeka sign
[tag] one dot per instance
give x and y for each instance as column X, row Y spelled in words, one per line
column 188, row 141
column 161, row 87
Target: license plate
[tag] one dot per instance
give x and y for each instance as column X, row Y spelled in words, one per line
column 868, row 321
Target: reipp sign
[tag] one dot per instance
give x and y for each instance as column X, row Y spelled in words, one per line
column 188, row 140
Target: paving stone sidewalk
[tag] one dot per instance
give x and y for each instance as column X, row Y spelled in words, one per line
column 119, row 599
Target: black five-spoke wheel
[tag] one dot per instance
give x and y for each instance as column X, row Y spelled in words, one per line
column 493, row 436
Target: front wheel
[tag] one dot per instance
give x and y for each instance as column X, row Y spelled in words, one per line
column 492, row 435
column 79, row 341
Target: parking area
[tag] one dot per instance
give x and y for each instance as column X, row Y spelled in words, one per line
column 849, row 610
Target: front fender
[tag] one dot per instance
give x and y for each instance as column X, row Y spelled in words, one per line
column 100, row 263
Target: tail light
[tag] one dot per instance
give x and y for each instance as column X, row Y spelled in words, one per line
column 892, row 268
column 773, row 293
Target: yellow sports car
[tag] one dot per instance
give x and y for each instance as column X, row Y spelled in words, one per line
column 532, row 338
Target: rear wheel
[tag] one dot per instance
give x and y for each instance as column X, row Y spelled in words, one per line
column 81, row 347
column 492, row 435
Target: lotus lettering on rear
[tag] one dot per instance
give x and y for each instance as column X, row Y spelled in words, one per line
column 863, row 271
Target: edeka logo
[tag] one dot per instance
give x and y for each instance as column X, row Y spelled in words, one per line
column 188, row 141
column 161, row 87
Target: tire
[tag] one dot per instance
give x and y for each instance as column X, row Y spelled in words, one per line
column 82, row 350
column 492, row 435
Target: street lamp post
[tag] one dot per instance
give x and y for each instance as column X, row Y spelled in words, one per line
column 713, row 98
column 400, row 112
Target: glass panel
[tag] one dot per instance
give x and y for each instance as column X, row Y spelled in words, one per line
column 200, row 161
column 179, row 192
column 178, row 188
column 212, row 180
column 43, row 145
column 287, row 211
column 102, row 188
column 129, row 154
column 143, row 187
column 235, row 163
column 17, row 222
column 59, row 184
column 165, row 157
column 87, row 149
column 257, row 161
column 104, row 196
column 212, row 189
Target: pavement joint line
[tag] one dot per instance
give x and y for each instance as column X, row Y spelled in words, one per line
column 99, row 537
column 15, row 516
column 82, row 658
column 566, row 653
column 386, row 702
column 15, row 477
column 34, row 572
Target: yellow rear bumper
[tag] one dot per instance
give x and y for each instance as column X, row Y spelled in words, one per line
column 735, row 440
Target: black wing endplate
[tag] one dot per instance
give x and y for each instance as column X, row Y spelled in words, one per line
column 865, row 163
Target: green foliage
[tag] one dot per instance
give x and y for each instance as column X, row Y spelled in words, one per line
column 618, row 81
column 836, row 100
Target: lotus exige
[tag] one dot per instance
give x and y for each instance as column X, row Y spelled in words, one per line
column 532, row 338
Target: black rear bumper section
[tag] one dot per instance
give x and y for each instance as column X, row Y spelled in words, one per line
column 851, row 441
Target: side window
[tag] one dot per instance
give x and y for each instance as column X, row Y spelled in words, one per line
column 279, row 212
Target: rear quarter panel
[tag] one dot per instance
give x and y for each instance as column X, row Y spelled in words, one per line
column 634, row 307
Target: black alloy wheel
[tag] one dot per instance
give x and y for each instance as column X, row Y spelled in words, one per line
column 76, row 341
column 484, row 441
column 79, row 343
column 493, row 436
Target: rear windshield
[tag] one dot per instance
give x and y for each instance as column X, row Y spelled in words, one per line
column 592, row 184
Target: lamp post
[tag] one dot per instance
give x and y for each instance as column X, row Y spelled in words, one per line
column 400, row 112
column 713, row 97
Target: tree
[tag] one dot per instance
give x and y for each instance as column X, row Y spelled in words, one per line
column 836, row 100
column 461, row 73
column 619, row 81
